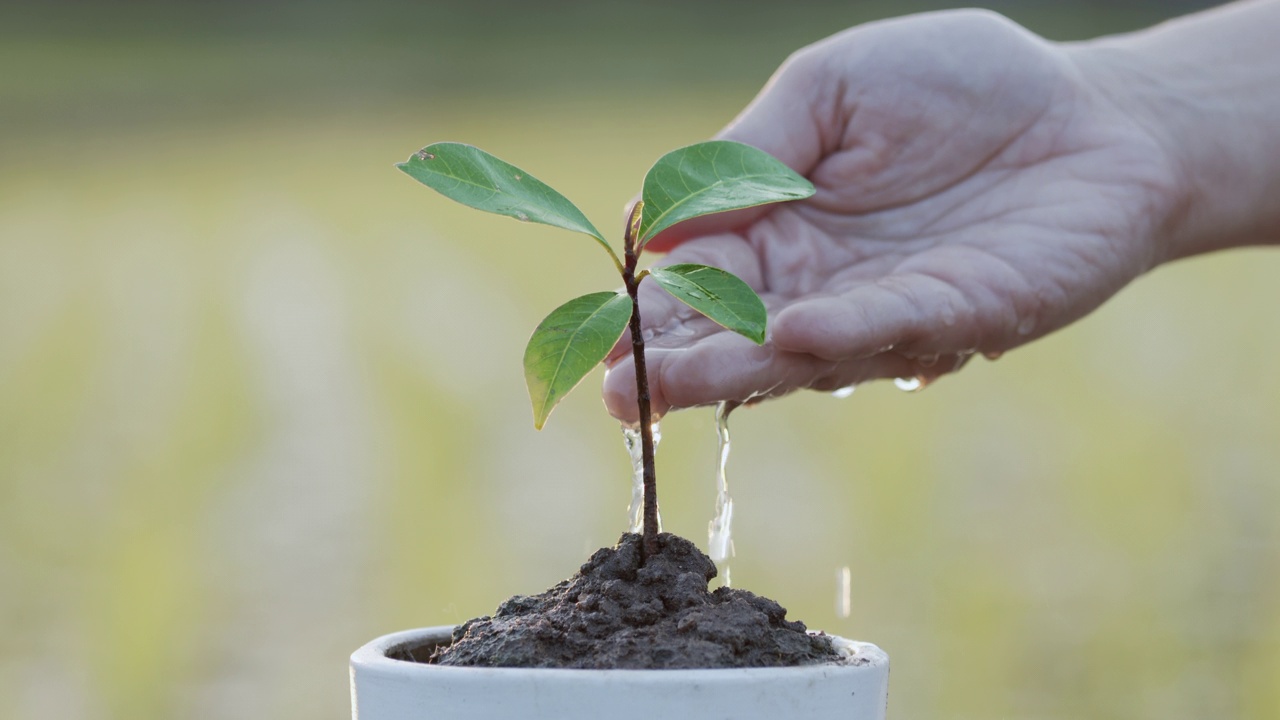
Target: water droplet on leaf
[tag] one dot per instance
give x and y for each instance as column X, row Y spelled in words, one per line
column 844, row 392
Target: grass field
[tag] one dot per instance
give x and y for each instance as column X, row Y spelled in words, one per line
column 261, row 398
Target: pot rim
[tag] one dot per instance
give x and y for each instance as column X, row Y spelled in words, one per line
column 860, row 657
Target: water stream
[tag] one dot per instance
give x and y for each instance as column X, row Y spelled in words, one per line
column 635, row 511
column 719, row 530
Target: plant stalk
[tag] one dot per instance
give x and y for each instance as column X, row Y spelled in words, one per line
column 632, row 257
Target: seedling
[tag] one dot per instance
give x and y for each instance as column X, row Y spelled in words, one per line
column 697, row 180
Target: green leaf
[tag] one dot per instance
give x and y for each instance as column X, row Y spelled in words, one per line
column 475, row 178
column 712, row 177
column 571, row 341
column 719, row 295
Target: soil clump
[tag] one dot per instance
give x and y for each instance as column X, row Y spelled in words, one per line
column 624, row 611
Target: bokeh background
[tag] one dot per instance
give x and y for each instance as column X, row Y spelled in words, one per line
column 261, row 397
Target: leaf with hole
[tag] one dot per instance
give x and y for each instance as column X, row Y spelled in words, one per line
column 571, row 341
column 720, row 295
column 477, row 179
column 713, row 177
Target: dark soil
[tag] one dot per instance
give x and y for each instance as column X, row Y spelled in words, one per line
column 623, row 611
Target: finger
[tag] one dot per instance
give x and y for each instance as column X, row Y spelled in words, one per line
column 919, row 371
column 913, row 314
column 727, row 367
column 724, row 367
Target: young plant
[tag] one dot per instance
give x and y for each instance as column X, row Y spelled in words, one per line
column 700, row 179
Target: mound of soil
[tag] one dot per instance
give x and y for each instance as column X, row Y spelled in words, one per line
column 624, row 611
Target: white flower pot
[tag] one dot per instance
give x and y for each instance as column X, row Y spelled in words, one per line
column 383, row 688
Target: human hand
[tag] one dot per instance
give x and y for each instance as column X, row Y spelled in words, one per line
column 976, row 189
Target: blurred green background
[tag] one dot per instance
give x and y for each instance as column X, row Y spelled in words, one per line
column 261, row 397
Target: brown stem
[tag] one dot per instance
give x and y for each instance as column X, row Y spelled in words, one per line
column 632, row 258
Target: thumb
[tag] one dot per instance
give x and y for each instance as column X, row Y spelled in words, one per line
column 783, row 121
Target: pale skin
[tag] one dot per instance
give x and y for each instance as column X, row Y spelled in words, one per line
column 978, row 187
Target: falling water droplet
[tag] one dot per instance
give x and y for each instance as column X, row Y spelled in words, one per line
column 719, row 531
column 908, row 384
column 844, row 392
column 844, row 592
column 635, row 511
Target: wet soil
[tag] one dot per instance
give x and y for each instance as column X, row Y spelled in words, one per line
column 622, row 610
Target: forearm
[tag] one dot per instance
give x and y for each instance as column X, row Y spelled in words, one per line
column 1207, row 86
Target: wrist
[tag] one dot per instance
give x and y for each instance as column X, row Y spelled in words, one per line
column 1212, row 112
